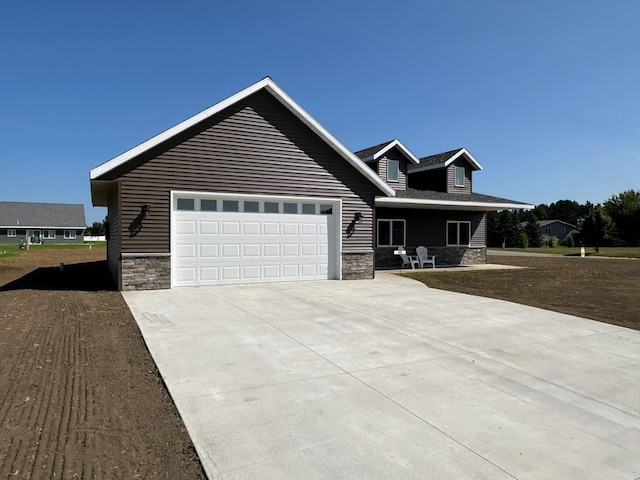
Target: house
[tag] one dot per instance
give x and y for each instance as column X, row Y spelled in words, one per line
column 41, row 222
column 254, row 189
column 434, row 205
column 556, row 228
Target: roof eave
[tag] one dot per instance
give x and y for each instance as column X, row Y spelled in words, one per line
column 404, row 150
column 429, row 204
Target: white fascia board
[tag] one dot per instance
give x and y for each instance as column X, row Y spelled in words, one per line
column 176, row 129
column 278, row 93
column 448, row 204
column 405, row 151
column 470, row 158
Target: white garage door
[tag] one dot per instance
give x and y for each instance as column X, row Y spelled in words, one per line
column 222, row 240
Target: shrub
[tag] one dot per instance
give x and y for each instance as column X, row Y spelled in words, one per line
column 553, row 242
column 523, row 241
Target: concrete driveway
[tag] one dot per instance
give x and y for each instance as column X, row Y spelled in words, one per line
column 385, row 378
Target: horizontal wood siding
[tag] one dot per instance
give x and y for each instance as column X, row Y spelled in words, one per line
column 451, row 177
column 429, row 227
column 254, row 147
column 394, row 154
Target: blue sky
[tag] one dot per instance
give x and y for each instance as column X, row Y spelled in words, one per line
column 544, row 94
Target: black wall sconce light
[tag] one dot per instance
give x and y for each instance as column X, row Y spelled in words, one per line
column 357, row 217
column 144, row 210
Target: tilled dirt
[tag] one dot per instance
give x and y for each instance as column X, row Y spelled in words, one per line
column 80, row 396
column 603, row 289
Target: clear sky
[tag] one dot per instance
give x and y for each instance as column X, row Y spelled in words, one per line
column 544, row 94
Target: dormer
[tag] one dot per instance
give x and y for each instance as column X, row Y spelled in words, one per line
column 449, row 172
column 391, row 161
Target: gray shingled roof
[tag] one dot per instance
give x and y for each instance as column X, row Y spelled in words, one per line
column 367, row 152
column 43, row 215
column 437, row 159
column 453, row 197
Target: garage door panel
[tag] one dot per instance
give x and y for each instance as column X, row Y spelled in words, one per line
column 208, row 228
column 225, row 247
column 209, row 251
column 230, row 228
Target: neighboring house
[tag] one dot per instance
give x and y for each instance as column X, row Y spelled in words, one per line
column 434, row 205
column 254, row 189
column 41, row 222
column 556, row 228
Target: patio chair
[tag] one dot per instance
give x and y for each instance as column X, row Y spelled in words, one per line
column 424, row 258
column 408, row 260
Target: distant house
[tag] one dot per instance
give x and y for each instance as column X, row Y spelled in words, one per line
column 556, row 228
column 41, row 222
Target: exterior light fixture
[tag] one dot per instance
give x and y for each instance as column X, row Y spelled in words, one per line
column 144, row 210
column 357, row 217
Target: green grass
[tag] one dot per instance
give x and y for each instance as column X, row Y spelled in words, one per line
column 8, row 251
column 13, row 250
column 630, row 252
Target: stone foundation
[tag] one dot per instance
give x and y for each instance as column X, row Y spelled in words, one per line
column 357, row 265
column 444, row 256
column 146, row 272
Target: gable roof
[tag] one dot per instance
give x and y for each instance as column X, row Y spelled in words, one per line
column 429, row 199
column 269, row 86
column 544, row 223
column 442, row 160
column 373, row 153
column 41, row 215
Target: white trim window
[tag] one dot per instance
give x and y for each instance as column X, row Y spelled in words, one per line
column 393, row 170
column 48, row 234
column 11, row 232
column 458, row 234
column 69, row 234
column 460, row 176
column 391, row 233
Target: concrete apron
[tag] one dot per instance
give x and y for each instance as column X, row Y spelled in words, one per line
column 385, row 378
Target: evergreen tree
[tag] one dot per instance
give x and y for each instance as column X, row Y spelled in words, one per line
column 533, row 233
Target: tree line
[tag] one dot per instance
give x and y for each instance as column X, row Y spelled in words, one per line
column 615, row 222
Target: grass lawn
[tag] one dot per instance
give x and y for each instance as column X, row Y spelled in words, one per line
column 628, row 252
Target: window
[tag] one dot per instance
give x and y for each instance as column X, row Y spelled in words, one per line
column 309, row 208
column 458, row 233
column 391, row 233
column 547, row 231
column 290, row 208
column 69, row 234
column 564, row 230
column 185, row 204
column 49, row 234
column 251, row 206
column 326, row 209
column 208, row 205
column 11, row 233
column 393, row 167
column 270, row 207
column 230, row 205
column 460, row 173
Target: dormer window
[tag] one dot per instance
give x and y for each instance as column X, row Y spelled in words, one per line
column 393, row 169
column 460, row 171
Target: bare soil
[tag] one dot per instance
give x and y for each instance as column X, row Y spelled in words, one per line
column 607, row 290
column 80, row 396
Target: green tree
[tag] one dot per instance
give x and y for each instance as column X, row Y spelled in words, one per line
column 597, row 228
column 523, row 240
column 624, row 210
column 566, row 211
column 533, row 233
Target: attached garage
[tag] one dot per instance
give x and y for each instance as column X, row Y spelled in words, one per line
column 252, row 189
column 224, row 239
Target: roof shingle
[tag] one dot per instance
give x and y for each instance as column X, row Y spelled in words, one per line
column 42, row 215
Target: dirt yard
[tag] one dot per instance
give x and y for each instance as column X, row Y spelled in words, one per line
column 607, row 290
column 80, row 396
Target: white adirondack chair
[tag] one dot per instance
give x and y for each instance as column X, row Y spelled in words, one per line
column 424, row 258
